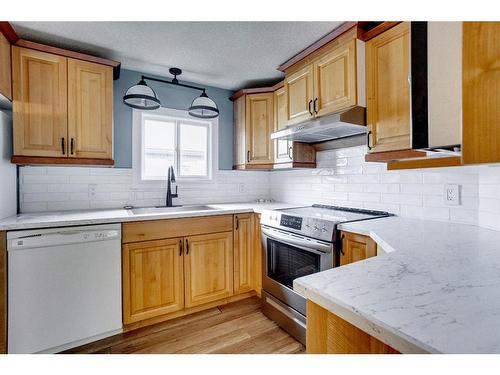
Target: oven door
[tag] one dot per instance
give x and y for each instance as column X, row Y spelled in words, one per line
column 288, row 256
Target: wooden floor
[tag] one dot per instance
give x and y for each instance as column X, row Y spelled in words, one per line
column 239, row 327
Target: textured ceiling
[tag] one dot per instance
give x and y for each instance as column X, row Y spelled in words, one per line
column 229, row 55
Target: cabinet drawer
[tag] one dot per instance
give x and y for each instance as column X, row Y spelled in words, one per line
column 159, row 229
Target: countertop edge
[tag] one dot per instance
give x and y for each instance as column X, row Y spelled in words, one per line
column 122, row 216
column 387, row 335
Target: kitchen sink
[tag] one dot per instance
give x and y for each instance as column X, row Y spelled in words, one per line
column 166, row 210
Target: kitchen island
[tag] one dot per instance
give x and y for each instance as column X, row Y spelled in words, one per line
column 436, row 290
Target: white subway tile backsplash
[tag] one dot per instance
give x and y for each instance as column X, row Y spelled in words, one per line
column 412, row 193
column 342, row 178
column 43, row 179
column 67, row 188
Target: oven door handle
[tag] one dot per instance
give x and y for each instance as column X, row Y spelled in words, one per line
column 310, row 245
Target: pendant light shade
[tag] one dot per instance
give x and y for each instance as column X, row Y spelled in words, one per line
column 141, row 96
column 203, row 107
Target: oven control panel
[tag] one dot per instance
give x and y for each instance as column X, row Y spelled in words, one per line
column 306, row 226
column 293, row 222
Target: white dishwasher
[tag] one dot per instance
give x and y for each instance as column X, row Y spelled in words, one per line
column 64, row 287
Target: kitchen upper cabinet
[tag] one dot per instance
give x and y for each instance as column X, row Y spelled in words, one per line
column 356, row 247
column 240, row 147
column 287, row 153
column 243, row 253
column 335, row 80
column 63, row 109
column 281, row 147
column 259, row 126
column 5, row 68
column 299, row 88
column 208, row 267
column 481, row 100
column 388, row 89
column 90, row 109
column 254, row 123
column 39, row 103
column 153, row 279
column 325, row 83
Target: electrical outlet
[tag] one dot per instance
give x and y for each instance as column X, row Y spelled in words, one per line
column 92, row 189
column 241, row 188
column 452, row 195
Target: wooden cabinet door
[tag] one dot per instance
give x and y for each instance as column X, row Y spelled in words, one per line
column 39, row 103
column 335, row 80
column 90, row 109
column 243, row 253
column 299, row 92
column 259, row 122
column 257, row 257
column 240, row 147
column 282, row 152
column 356, row 247
column 5, row 68
column 481, row 99
column 208, row 268
column 152, row 279
column 388, row 89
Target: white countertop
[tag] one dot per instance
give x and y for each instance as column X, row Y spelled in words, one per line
column 87, row 217
column 437, row 289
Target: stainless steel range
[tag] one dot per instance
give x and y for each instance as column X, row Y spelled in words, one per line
column 297, row 242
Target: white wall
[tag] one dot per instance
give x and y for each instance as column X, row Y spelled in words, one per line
column 8, row 180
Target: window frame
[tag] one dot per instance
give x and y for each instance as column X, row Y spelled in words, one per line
column 177, row 116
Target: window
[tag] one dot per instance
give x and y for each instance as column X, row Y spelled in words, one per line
column 169, row 137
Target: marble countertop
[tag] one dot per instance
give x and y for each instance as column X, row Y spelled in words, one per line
column 87, row 217
column 436, row 290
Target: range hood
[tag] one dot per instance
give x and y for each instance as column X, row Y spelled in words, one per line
column 339, row 125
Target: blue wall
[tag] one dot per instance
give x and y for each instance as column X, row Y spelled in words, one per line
column 171, row 97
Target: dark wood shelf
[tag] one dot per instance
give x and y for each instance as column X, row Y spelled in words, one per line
column 17, row 159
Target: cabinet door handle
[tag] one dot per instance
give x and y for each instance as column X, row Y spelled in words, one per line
column 187, row 247
column 180, row 248
column 290, row 152
column 368, row 139
column 309, row 107
column 315, row 102
column 248, row 156
column 72, row 145
column 63, row 147
column 237, row 223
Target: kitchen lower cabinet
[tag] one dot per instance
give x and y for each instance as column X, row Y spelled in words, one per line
column 257, row 258
column 243, row 252
column 356, row 247
column 3, row 292
column 153, row 279
column 208, row 267
column 327, row 333
column 175, row 267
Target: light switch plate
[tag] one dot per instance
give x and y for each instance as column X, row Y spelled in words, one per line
column 452, row 194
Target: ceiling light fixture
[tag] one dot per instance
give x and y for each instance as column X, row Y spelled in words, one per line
column 141, row 96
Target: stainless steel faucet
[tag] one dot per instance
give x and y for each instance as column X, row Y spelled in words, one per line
column 170, row 180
